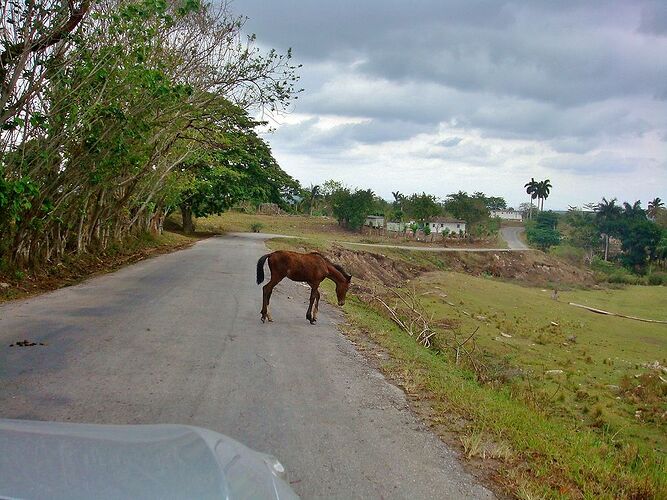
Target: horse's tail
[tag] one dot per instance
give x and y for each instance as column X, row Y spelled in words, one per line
column 260, row 268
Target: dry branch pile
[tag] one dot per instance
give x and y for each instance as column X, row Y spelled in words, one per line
column 405, row 307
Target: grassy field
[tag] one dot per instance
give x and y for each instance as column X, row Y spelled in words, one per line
column 598, row 355
column 594, row 428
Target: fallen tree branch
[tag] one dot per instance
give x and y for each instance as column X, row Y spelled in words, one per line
column 607, row 313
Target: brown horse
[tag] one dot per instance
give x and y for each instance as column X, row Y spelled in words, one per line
column 311, row 268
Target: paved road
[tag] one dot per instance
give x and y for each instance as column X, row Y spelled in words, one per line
column 512, row 236
column 177, row 339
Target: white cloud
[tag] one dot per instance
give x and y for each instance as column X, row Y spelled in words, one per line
column 445, row 95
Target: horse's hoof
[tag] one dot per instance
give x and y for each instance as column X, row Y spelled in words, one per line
column 312, row 321
column 263, row 320
column 270, row 320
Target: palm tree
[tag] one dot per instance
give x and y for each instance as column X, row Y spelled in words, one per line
column 398, row 198
column 606, row 216
column 313, row 194
column 531, row 189
column 543, row 190
column 654, row 207
column 633, row 211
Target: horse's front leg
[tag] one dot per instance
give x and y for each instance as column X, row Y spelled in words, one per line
column 313, row 295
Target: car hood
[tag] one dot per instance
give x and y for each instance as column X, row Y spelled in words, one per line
column 63, row 460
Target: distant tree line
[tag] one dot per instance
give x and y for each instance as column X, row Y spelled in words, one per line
column 116, row 112
column 640, row 234
column 352, row 206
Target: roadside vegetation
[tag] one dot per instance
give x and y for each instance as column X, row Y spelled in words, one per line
column 16, row 283
column 113, row 114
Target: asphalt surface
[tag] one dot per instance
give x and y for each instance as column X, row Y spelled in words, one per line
column 178, row 339
column 512, row 236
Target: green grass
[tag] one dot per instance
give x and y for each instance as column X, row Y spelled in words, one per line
column 555, row 451
column 648, row 302
column 595, row 352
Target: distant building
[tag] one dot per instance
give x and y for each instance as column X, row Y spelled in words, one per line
column 396, row 227
column 507, row 214
column 376, row 221
column 446, row 225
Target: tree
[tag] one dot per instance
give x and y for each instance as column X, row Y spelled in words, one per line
column 654, row 207
column 421, row 207
column 34, row 38
column 543, row 189
column 607, row 215
column 462, row 206
column 531, row 189
column 104, row 118
column 542, row 232
column 640, row 241
column 313, row 195
column 244, row 170
column 352, row 207
column 525, row 209
column 582, row 231
column 542, row 238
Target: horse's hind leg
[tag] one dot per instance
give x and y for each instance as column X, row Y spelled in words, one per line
column 266, row 297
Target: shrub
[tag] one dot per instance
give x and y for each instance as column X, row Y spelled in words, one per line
column 603, row 266
column 657, row 278
column 256, row 227
column 542, row 238
column 571, row 254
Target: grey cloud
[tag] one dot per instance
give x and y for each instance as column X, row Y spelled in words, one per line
column 522, row 49
column 654, row 18
column 306, row 136
column 450, row 142
column 510, row 118
column 599, row 163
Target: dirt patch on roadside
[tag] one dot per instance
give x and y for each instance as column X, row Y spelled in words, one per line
column 76, row 269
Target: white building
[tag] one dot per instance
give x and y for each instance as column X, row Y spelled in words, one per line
column 447, row 225
column 376, row 221
column 396, row 227
column 507, row 214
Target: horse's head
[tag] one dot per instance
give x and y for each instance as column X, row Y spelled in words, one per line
column 342, row 287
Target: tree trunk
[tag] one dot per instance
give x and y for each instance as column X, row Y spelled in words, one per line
column 530, row 211
column 188, row 222
column 606, row 246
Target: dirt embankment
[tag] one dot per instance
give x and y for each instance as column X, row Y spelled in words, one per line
column 532, row 268
column 74, row 269
column 375, row 267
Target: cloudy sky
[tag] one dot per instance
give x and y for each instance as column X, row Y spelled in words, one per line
column 441, row 95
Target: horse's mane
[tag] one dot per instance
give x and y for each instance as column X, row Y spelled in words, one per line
column 337, row 266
